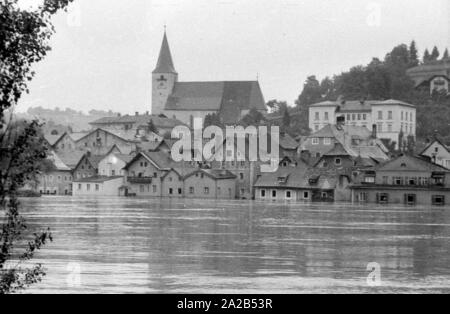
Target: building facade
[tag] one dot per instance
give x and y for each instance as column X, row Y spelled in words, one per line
column 438, row 153
column 393, row 119
column 186, row 101
column 405, row 180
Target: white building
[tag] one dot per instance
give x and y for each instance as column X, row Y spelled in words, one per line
column 391, row 117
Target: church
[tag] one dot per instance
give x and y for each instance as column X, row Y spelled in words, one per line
column 184, row 101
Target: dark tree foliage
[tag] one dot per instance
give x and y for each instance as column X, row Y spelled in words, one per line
column 413, row 54
column 426, row 56
column 446, row 55
column 24, row 41
column 212, row 119
column 435, row 54
column 254, row 117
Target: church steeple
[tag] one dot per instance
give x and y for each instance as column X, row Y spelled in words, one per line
column 165, row 63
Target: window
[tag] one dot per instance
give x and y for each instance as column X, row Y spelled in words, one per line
column 97, row 187
column 155, row 189
column 410, row 199
column 170, row 191
column 206, row 191
column 263, row 193
column 241, row 176
column 79, row 187
column 348, row 117
column 364, row 117
column 180, row 191
column 385, row 180
column 380, row 127
column 113, row 173
column 305, row 195
column 141, row 188
column 274, row 193
column 191, row 190
column 438, row 200
column 359, row 116
column 288, row 194
column 382, row 198
column 390, row 127
column 326, row 117
column 170, row 179
column 316, row 127
column 338, row 161
column 327, row 141
column 315, row 141
column 369, row 179
column 242, row 192
column 380, row 115
column 363, row 197
column 390, row 115
column 411, row 117
column 398, row 181
column 353, row 117
column 88, row 187
column 406, row 116
column 317, row 117
column 401, row 115
column 155, row 175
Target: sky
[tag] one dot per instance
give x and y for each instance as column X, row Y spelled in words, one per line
column 104, row 51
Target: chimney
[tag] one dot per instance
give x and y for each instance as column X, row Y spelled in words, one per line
column 341, row 100
column 137, row 113
column 119, row 114
column 374, row 131
column 147, row 113
column 88, row 153
column 340, row 122
column 305, row 155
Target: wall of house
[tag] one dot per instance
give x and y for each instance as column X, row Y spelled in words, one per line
column 317, row 146
column 397, row 196
column 318, row 117
column 441, row 154
column 84, row 169
column 101, row 142
column 298, row 195
column 107, row 188
column 334, row 162
column 172, row 185
column 111, row 166
column 389, row 125
column 218, row 189
column 55, row 182
column 65, row 144
column 146, row 170
column 390, row 175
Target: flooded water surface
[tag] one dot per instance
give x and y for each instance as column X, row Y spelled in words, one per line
column 119, row 245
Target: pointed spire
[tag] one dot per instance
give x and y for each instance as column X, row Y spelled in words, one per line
column 165, row 63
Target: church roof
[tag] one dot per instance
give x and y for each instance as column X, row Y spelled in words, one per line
column 230, row 98
column 165, row 62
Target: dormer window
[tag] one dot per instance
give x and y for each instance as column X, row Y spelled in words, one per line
column 403, row 165
column 338, row 161
column 315, row 141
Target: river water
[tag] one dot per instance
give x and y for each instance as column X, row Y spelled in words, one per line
column 123, row 245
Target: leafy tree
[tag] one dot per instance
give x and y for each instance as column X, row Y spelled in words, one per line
column 24, row 41
column 254, row 117
column 435, row 54
column 212, row 119
column 286, row 118
column 311, row 93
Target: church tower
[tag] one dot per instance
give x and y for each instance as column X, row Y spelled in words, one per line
column 164, row 78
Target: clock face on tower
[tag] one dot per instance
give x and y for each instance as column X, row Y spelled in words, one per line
column 161, row 82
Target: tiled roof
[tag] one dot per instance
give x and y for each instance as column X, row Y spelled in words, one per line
column 58, row 163
column 392, row 102
column 77, row 136
column 71, row 159
column 159, row 122
column 228, row 97
column 287, row 142
column 52, row 139
column 357, row 105
column 160, row 159
column 97, row 179
column 299, row 178
column 124, row 158
column 411, row 163
column 216, row 174
column 338, row 150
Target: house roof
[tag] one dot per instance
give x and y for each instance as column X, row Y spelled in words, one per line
column 124, row 158
column 158, row 122
column 230, row 98
column 357, row 105
column 53, row 139
column 57, row 162
column 411, row 163
column 160, row 159
column 436, row 140
column 77, row 135
column 299, row 178
column 426, row 71
column 98, row 179
column 215, row 174
column 288, row 142
column 165, row 62
column 71, row 159
column 338, row 150
column 94, row 160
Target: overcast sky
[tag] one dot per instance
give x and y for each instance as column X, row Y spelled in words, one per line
column 104, row 50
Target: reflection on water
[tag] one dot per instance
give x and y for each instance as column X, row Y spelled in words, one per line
column 120, row 245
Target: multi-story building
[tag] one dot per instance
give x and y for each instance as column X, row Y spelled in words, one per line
column 98, row 186
column 357, row 140
column 405, row 180
column 57, row 179
column 393, row 119
column 433, row 76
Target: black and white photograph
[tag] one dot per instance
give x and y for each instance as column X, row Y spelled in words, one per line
column 237, row 150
